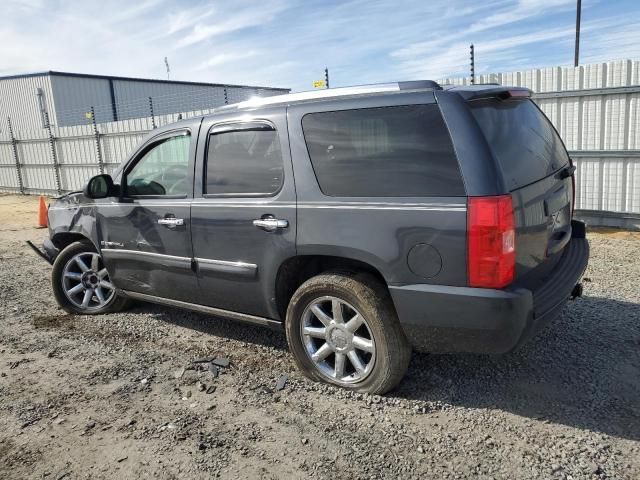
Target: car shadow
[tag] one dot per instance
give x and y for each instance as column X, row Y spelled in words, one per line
column 217, row 326
column 582, row 370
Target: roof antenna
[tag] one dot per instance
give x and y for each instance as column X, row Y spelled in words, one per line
column 166, row 63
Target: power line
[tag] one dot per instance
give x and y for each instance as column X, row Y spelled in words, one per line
column 198, row 99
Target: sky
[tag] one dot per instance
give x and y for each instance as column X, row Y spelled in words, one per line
column 288, row 43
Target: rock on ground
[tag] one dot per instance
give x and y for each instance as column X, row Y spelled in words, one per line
column 119, row 396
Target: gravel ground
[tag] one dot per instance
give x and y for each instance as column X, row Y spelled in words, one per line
column 119, row 395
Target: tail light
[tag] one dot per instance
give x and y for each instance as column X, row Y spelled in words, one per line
column 491, row 251
column 573, row 186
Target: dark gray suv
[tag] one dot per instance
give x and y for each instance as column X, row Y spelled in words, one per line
column 365, row 220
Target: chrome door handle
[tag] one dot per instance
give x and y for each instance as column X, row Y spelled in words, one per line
column 171, row 222
column 270, row 224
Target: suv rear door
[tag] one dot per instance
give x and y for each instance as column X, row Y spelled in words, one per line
column 378, row 182
column 243, row 219
column 536, row 170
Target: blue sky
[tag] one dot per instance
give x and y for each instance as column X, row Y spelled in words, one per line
column 288, row 43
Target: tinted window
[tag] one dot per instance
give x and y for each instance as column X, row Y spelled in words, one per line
column 521, row 138
column 244, row 162
column 162, row 170
column 382, row 152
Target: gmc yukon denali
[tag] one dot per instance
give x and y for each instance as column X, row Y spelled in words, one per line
column 365, row 221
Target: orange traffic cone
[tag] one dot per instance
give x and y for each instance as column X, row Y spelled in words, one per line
column 42, row 213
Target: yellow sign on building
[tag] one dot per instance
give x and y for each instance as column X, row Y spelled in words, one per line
column 318, row 84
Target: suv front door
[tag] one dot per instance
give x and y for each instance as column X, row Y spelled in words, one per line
column 145, row 235
column 244, row 211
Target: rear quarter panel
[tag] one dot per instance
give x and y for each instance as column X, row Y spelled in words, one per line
column 379, row 231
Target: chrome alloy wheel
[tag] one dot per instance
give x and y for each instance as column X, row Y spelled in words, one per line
column 86, row 282
column 338, row 340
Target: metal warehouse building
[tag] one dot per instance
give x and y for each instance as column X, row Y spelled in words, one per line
column 66, row 99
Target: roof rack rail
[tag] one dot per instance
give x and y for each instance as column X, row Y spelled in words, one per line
column 339, row 91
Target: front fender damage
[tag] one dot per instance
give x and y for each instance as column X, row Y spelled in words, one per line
column 70, row 218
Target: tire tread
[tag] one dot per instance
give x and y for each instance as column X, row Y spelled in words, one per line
column 392, row 359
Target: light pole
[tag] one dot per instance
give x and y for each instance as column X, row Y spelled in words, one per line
column 577, row 54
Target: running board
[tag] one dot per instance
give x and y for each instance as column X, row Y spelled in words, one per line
column 241, row 317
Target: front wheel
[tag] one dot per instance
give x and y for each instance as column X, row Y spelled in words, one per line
column 81, row 283
column 343, row 330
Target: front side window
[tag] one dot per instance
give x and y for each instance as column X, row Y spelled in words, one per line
column 401, row 151
column 162, row 170
column 244, row 162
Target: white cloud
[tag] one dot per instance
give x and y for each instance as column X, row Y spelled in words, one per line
column 288, row 43
column 225, row 59
column 184, row 19
column 237, row 18
column 522, row 10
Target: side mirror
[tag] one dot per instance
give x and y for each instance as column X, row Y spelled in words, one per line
column 101, row 186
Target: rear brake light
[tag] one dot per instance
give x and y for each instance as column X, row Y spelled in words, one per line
column 514, row 93
column 491, row 251
column 573, row 187
column 523, row 93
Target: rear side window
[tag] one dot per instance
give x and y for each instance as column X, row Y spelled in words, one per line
column 383, row 152
column 521, row 138
column 245, row 162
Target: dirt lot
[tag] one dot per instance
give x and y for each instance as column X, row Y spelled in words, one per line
column 118, row 395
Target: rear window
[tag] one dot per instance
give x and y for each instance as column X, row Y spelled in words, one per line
column 401, row 151
column 521, row 138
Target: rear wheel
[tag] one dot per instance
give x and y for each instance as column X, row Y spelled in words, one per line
column 81, row 283
column 343, row 330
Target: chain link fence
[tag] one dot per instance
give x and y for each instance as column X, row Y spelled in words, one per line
column 55, row 160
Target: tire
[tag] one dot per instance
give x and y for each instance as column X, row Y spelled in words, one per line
column 68, row 275
column 379, row 342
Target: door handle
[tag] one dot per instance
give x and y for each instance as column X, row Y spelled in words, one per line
column 171, row 222
column 270, row 224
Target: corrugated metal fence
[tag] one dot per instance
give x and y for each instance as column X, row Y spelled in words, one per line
column 596, row 109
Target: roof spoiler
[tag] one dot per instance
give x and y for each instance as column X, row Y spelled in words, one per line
column 418, row 84
column 497, row 92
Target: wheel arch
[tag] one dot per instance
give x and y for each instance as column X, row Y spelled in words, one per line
column 62, row 240
column 294, row 271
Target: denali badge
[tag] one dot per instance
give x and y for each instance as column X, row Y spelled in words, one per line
column 111, row 244
column 556, row 220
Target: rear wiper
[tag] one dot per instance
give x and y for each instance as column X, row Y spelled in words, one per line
column 566, row 172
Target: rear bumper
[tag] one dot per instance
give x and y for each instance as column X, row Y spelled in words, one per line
column 443, row 319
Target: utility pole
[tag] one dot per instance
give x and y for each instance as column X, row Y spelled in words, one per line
column 473, row 65
column 578, row 12
column 166, row 63
column 326, row 77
